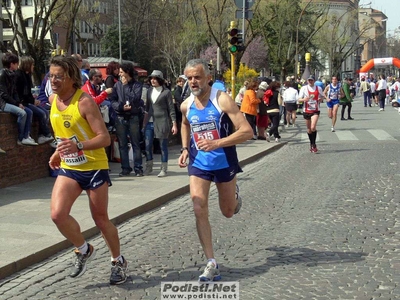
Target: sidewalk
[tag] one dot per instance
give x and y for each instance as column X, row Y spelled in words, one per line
column 28, row 236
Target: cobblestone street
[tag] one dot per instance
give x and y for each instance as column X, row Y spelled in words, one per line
column 322, row 226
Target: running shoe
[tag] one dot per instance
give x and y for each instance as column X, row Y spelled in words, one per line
column 211, row 273
column 277, row 140
column 333, row 129
column 118, row 272
column 267, row 137
column 81, row 261
column 239, row 200
column 314, row 149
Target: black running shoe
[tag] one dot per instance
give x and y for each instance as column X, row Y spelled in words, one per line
column 118, row 272
column 81, row 260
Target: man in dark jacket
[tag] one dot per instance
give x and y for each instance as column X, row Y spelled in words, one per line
column 9, row 101
column 126, row 100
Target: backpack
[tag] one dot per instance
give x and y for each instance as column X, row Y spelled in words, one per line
column 267, row 95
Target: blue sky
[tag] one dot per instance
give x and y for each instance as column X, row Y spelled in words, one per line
column 390, row 8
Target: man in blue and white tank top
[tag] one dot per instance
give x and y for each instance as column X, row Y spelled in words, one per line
column 332, row 92
column 209, row 117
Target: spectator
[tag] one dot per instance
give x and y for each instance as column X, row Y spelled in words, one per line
column 159, row 114
column 112, row 72
column 250, row 104
column 92, row 87
column 24, row 88
column 365, row 89
column 45, row 92
column 180, row 82
column 381, row 91
column 273, row 110
column 290, row 98
column 9, row 101
column 262, row 116
column 129, row 107
column 240, row 95
column 79, row 60
column 219, row 83
column 85, row 70
column 346, row 100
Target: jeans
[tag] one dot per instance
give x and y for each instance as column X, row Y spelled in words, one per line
column 149, row 138
column 124, row 129
column 367, row 98
column 24, row 120
column 43, row 117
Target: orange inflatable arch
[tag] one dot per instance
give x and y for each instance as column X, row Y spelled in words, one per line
column 380, row 62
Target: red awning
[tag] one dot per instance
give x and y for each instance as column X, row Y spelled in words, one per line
column 141, row 72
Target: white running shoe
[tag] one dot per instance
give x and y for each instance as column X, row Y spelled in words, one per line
column 277, row 140
column 333, row 129
column 267, row 137
column 211, row 273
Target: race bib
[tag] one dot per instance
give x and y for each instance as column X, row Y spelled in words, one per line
column 312, row 104
column 73, row 159
column 206, row 130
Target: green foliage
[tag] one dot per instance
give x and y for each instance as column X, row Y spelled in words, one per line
column 110, row 43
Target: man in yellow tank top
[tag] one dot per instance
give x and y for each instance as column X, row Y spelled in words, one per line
column 82, row 163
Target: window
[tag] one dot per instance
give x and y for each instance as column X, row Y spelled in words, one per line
column 6, row 24
column 28, row 22
column 26, row 2
column 6, row 3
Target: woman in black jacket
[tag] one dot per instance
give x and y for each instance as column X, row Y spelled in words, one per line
column 126, row 100
column 273, row 110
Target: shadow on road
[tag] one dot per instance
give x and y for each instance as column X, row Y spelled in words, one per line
column 284, row 256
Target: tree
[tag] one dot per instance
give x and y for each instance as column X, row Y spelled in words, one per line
column 277, row 24
column 38, row 46
column 110, row 43
column 340, row 38
column 256, row 54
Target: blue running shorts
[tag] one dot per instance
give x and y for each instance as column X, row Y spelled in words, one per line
column 332, row 103
column 218, row 176
column 87, row 180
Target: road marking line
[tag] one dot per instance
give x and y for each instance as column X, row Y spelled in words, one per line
column 346, row 135
column 381, row 135
column 305, row 139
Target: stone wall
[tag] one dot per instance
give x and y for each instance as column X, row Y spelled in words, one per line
column 21, row 163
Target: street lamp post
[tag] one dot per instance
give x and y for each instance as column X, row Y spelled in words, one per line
column 119, row 31
column 296, row 57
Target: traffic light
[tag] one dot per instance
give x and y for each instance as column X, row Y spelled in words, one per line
column 235, row 39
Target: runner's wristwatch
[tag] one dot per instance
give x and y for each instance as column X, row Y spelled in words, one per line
column 79, row 146
column 184, row 148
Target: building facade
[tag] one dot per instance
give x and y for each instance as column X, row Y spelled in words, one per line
column 374, row 41
column 76, row 30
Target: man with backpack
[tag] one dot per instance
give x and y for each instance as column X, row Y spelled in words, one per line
column 331, row 93
column 346, row 99
column 365, row 89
